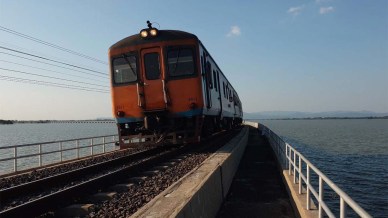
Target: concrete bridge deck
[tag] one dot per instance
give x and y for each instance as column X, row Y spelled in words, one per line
column 257, row 189
column 222, row 186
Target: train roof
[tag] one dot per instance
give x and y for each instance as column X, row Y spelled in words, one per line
column 163, row 35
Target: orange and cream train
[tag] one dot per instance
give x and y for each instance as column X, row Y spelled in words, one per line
column 165, row 85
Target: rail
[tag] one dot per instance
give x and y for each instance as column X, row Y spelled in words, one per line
column 292, row 160
column 66, row 149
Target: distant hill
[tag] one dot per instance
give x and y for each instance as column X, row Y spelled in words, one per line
column 297, row 114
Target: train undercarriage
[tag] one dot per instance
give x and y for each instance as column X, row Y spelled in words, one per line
column 158, row 128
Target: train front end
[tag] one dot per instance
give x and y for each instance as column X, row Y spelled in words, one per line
column 156, row 87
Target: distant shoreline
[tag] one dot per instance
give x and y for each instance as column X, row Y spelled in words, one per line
column 6, row 122
column 56, row 121
column 9, row 122
column 324, row 118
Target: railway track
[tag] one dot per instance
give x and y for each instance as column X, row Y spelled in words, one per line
column 52, row 193
column 44, row 193
column 7, row 181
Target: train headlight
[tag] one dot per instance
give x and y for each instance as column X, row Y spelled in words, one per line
column 120, row 113
column 144, row 33
column 149, row 33
column 154, row 32
column 193, row 105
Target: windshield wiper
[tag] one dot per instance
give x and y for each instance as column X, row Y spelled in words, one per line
column 129, row 63
column 177, row 60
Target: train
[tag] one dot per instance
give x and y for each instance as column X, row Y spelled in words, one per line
column 165, row 86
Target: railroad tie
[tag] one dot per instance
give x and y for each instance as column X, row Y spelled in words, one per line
column 102, row 196
column 75, row 210
column 121, row 187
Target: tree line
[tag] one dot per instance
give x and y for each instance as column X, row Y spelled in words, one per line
column 6, row 122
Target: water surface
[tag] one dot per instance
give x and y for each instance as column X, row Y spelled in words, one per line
column 18, row 134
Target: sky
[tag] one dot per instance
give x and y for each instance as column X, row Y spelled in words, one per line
column 294, row 55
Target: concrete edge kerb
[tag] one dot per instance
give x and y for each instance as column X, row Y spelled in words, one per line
column 299, row 200
column 200, row 192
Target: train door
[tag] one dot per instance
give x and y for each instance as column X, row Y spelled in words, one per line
column 153, row 80
column 205, row 78
column 234, row 103
column 209, row 84
column 219, row 91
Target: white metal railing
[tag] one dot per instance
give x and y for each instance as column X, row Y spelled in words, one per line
column 291, row 159
column 67, row 149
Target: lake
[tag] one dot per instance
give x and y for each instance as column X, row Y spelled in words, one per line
column 17, row 134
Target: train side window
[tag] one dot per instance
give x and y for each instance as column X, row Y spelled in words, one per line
column 202, row 65
column 227, row 91
column 223, row 85
column 124, row 69
column 180, row 62
column 152, row 66
column 218, row 81
column 215, row 80
column 209, row 74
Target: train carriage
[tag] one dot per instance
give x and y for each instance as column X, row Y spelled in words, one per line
column 166, row 86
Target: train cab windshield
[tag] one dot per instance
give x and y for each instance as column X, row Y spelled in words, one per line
column 180, row 62
column 124, row 69
column 152, row 66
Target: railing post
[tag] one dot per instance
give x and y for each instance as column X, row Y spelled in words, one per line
column 285, row 159
column 77, row 145
column 320, row 197
column 60, row 149
column 300, row 175
column 40, row 155
column 342, row 208
column 91, row 147
column 289, row 160
column 103, row 144
column 15, row 161
column 307, row 187
column 294, row 167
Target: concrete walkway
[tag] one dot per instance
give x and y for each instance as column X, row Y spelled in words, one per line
column 257, row 189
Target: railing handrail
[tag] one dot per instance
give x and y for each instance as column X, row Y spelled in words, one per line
column 52, row 142
column 330, row 183
column 55, row 151
column 293, row 168
column 59, row 148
